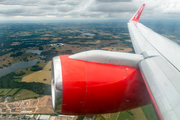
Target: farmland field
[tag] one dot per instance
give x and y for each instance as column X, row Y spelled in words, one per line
column 13, row 91
column 25, row 94
column 42, row 76
column 4, row 92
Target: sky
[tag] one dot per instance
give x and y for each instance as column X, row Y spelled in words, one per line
column 87, row 9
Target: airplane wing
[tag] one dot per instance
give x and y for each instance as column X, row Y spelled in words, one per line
column 160, row 67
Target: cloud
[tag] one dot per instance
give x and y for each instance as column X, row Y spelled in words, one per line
column 11, row 12
column 171, row 8
column 114, row 0
column 65, row 8
column 20, row 2
column 72, row 2
column 23, row 11
column 47, row 7
column 53, row 2
column 60, row 9
column 111, row 7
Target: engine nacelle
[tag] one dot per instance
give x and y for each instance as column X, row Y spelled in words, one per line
column 83, row 87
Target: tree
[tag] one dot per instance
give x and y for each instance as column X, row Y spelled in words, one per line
column 40, row 48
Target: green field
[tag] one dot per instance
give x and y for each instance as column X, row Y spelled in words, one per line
column 27, row 72
column 25, row 94
column 99, row 117
column 125, row 116
column 142, row 113
column 18, row 93
column 13, row 91
column 149, row 112
column 39, row 76
column 1, row 90
column 4, row 92
column 17, row 79
column 111, row 116
column 137, row 114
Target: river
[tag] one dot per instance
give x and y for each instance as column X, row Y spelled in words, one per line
column 17, row 66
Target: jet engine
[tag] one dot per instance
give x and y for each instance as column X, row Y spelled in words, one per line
column 97, row 82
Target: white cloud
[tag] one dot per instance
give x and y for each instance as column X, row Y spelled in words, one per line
column 9, row 7
column 171, row 8
column 63, row 9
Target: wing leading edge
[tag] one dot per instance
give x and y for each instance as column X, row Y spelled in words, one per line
column 160, row 67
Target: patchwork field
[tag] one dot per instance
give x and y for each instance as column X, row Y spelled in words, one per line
column 42, row 76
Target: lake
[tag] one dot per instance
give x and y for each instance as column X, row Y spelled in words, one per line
column 88, row 34
column 17, row 66
column 34, row 51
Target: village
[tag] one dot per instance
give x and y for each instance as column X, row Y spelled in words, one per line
column 40, row 108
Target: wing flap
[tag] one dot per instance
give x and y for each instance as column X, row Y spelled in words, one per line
column 162, row 87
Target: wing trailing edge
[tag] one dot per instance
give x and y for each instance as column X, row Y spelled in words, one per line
column 138, row 14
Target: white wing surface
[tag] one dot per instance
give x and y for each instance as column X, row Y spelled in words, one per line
column 160, row 67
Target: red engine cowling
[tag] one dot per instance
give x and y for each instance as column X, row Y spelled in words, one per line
column 82, row 87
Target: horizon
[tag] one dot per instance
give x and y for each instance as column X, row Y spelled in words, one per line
column 106, row 19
